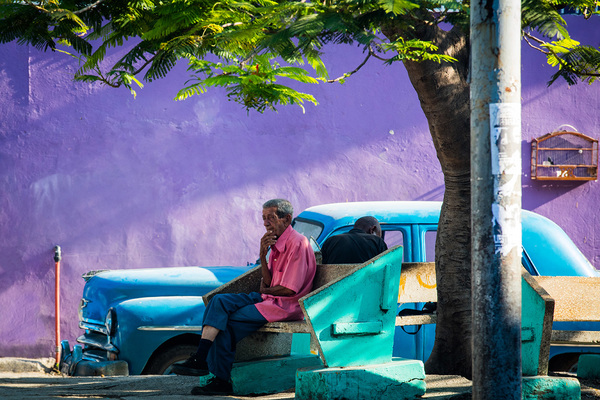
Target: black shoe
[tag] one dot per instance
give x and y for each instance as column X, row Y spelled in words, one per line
column 191, row 367
column 214, row 386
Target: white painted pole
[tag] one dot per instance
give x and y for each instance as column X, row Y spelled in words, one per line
column 496, row 198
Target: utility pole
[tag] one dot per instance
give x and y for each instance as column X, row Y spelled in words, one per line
column 496, row 198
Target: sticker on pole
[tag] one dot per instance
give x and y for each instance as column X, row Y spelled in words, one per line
column 505, row 147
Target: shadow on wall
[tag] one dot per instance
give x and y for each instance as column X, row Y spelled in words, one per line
column 151, row 181
column 436, row 194
column 120, row 182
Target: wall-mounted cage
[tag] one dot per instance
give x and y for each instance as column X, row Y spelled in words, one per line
column 564, row 156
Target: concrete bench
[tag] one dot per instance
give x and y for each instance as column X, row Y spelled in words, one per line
column 250, row 282
column 417, row 285
column 277, row 339
column 576, row 299
column 350, row 317
column 259, row 344
column 539, row 310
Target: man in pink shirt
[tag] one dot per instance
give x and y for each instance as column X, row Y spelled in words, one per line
column 286, row 277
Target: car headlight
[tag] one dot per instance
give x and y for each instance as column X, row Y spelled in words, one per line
column 110, row 322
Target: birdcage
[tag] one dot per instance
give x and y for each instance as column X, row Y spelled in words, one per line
column 564, row 156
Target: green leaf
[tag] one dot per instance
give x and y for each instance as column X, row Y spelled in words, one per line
column 87, row 78
column 398, row 7
column 188, row 91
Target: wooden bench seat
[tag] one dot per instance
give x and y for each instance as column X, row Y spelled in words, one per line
column 250, row 282
column 286, row 327
column 576, row 299
column 417, row 284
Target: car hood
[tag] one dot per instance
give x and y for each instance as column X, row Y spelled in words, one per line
column 107, row 288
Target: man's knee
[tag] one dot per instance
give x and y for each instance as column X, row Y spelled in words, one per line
column 217, row 298
column 223, row 299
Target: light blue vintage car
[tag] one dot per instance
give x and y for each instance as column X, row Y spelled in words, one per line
column 151, row 318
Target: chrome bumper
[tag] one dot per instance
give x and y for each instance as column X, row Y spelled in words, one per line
column 92, row 362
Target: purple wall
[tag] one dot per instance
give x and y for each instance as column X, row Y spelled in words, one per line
column 120, row 182
column 572, row 205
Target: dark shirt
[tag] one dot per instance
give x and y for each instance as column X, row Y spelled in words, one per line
column 354, row 247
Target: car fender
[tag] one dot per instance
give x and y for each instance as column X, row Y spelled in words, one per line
column 143, row 324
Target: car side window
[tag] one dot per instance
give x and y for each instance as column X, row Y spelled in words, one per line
column 394, row 238
column 430, row 237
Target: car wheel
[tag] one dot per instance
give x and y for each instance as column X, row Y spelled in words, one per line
column 161, row 363
column 564, row 362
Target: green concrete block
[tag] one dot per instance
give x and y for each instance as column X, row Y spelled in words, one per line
column 270, row 375
column 589, row 366
column 400, row 379
column 550, row 388
column 536, row 317
column 354, row 318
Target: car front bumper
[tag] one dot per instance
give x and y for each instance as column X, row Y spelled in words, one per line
column 92, row 362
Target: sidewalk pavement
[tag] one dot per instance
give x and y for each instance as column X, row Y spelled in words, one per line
column 18, row 365
column 33, row 379
column 29, row 379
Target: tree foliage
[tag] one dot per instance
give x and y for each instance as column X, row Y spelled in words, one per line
column 240, row 44
column 230, row 43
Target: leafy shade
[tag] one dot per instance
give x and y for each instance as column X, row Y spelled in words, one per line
column 574, row 63
column 253, row 86
column 247, row 41
column 256, row 48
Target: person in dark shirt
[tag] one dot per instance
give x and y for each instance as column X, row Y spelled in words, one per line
column 360, row 244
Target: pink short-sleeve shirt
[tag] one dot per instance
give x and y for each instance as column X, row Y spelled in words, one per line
column 292, row 265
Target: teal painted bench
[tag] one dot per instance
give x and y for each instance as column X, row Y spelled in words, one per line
column 418, row 284
column 343, row 348
column 575, row 299
column 538, row 312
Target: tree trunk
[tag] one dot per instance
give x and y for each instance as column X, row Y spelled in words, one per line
column 443, row 91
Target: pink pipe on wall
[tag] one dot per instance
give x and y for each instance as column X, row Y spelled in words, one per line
column 57, row 257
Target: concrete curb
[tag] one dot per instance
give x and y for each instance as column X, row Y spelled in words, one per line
column 17, row 365
column 439, row 387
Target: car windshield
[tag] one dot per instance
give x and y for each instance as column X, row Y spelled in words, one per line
column 309, row 228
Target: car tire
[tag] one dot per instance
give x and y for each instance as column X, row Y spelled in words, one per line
column 564, row 362
column 160, row 364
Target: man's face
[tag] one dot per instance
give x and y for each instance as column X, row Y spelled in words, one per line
column 273, row 223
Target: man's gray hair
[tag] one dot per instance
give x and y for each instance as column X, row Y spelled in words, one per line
column 284, row 207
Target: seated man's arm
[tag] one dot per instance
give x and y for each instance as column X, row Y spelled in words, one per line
column 265, row 243
column 276, row 290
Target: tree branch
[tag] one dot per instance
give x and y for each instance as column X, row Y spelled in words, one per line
column 562, row 63
column 84, row 9
column 347, row 74
column 35, row 6
column 145, row 64
column 527, row 36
